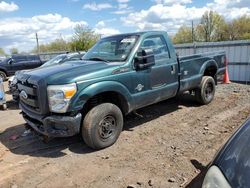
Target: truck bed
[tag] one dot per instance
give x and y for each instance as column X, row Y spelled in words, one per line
column 191, row 75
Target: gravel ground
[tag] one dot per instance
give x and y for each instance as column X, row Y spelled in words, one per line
column 170, row 146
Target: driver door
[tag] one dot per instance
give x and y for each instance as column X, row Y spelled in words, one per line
column 160, row 81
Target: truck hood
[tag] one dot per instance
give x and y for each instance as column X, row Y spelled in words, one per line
column 67, row 72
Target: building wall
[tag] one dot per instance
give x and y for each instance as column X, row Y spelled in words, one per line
column 237, row 52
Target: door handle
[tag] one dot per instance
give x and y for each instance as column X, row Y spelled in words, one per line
column 172, row 69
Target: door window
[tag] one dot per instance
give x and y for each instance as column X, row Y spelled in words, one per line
column 19, row 59
column 159, row 47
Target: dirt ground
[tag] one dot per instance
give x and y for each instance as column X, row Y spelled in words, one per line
column 170, row 146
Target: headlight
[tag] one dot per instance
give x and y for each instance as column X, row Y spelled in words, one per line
column 59, row 97
column 14, row 81
column 215, row 179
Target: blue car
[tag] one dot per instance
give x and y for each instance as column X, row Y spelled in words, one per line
column 231, row 166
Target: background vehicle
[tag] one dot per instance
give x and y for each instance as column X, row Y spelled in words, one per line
column 230, row 167
column 3, row 104
column 63, row 58
column 56, row 60
column 118, row 75
column 15, row 63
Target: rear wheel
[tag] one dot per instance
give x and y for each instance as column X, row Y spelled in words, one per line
column 102, row 126
column 4, row 106
column 205, row 92
column 3, row 75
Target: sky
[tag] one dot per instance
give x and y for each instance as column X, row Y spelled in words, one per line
column 52, row 19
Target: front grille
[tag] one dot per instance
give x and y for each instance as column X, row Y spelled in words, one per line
column 30, row 97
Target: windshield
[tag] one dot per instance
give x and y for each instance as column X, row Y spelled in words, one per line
column 112, row 49
column 54, row 60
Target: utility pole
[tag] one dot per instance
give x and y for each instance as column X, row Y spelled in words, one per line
column 192, row 31
column 37, row 44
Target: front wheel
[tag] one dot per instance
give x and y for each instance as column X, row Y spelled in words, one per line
column 102, row 126
column 205, row 92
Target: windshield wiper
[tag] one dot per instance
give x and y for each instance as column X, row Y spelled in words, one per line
column 98, row 59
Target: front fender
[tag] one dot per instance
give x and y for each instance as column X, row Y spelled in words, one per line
column 85, row 94
column 209, row 63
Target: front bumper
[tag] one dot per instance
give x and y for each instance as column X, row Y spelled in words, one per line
column 54, row 125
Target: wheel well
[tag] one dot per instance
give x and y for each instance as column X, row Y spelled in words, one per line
column 4, row 71
column 110, row 97
column 210, row 71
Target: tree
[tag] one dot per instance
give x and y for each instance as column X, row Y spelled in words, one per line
column 240, row 28
column 183, row 35
column 2, row 52
column 14, row 51
column 56, row 45
column 83, row 39
column 211, row 27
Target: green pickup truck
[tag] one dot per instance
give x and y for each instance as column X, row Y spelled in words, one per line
column 118, row 75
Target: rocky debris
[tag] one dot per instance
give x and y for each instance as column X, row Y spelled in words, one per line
column 23, row 162
column 105, row 157
column 206, row 128
column 131, row 186
column 236, row 91
column 197, row 171
column 173, row 147
column 150, row 182
column 139, row 183
column 172, row 180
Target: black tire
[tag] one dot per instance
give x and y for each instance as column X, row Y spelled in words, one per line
column 3, row 75
column 102, row 126
column 205, row 92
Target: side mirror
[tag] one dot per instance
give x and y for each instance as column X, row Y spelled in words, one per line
column 145, row 58
column 10, row 61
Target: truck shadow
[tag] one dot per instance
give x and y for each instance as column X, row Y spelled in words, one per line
column 154, row 111
column 32, row 144
column 12, row 105
column 197, row 180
